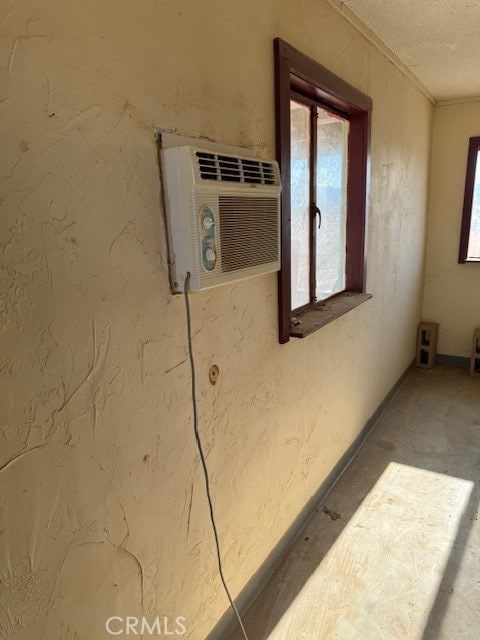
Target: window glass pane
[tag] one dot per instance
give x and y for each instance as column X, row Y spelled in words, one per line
column 332, row 146
column 474, row 238
column 300, row 198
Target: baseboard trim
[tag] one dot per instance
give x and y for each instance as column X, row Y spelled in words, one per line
column 453, row 361
column 257, row 583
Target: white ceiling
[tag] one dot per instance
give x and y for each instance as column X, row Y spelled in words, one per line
column 439, row 41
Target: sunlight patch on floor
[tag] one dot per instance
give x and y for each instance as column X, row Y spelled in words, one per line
column 380, row 578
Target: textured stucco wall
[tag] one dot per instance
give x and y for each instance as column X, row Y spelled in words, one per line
column 103, row 505
column 452, row 290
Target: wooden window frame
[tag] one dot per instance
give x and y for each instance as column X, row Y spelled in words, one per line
column 473, row 150
column 296, row 73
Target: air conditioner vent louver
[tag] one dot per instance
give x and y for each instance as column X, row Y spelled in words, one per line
column 250, row 234
column 213, row 166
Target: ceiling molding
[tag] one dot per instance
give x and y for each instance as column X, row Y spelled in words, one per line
column 445, row 103
column 368, row 34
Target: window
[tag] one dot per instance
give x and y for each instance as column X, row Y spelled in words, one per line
column 322, row 147
column 470, row 232
column 318, row 172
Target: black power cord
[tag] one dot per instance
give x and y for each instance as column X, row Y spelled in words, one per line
column 202, row 456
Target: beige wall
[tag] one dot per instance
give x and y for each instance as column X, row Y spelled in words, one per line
column 452, row 290
column 104, row 506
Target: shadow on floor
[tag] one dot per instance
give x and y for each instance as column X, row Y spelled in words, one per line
column 432, row 424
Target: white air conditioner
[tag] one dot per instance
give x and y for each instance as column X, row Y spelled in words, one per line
column 223, row 216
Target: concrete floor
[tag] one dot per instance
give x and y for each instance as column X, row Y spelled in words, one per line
column 394, row 551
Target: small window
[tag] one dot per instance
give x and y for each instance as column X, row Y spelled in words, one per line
column 318, row 166
column 323, row 129
column 470, row 232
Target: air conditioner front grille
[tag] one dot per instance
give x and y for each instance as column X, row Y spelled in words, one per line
column 249, row 234
column 213, row 166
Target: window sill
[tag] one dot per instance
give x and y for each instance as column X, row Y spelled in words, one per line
column 313, row 319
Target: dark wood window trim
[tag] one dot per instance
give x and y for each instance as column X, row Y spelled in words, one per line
column 325, row 312
column 295, row 72
column 473, row 149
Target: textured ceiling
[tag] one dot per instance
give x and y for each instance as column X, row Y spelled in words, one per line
column 438, row 41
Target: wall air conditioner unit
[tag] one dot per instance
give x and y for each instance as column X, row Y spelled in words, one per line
column 223, row 216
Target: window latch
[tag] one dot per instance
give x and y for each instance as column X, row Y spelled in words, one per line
column 319, row 213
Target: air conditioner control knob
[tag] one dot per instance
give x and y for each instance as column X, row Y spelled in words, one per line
column 207, row 223
column 210, row 255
